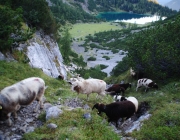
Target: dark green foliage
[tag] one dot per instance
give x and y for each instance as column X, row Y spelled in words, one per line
column 65, row 44
column 93, row 45
column 13, row 13
column 79, row 61
column 37, row 14
column 72, row 14
column 156, row 51
column 92, row 72
column 112, row 40
column 91, row 58
column 91, row 5
column 103, row 66
column 80, row 1
column 121, row 67
column 106, row 57
column 11, row 28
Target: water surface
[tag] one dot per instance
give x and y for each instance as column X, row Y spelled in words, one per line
column 110, row 16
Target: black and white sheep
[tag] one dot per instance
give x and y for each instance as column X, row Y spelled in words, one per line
column 20, row 94
column 116, row 110
column 147, row 83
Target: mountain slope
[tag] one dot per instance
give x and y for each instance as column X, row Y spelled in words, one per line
column 174, row 4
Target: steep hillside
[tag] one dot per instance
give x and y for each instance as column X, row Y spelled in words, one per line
column 138, row 6
column 173, row 4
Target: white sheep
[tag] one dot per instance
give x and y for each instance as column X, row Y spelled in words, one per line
column 89, row 86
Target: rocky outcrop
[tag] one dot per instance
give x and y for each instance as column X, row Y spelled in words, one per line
column 43, row 53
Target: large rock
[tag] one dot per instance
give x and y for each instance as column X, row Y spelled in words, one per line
column 53, row 112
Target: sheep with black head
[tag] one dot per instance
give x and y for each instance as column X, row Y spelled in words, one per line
column 116, row 110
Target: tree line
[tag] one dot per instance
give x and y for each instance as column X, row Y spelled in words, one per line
column 136, row 6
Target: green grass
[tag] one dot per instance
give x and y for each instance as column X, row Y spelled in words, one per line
column 81, row 30
column 164, row 107
column 71, row 124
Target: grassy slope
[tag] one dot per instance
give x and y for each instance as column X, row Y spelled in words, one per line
column 83, row 29
column 165, row 103
column 164, row 124
column 165, row 109
column 71, row 124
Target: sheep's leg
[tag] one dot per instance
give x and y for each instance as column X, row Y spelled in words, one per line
column 39, row 98
column 87, row 97
column 9, row 121
column 116, row 96
column 97, row 96
column 122, row 93
column 146, row 89
column 39, row 102
column 77, row 97
column 15, row 112
column 137, row 88
column 37, row 105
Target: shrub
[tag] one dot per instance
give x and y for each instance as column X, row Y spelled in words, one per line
column 106, row 57
column 91, row 58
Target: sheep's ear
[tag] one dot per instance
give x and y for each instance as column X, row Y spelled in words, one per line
column 70, row 83
column 0, row 107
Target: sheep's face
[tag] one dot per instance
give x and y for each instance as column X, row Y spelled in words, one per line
column 96, row 106
column 155, row 86
column 77, row 89
column 109, row 89
column 73, row 85
column 99, row 107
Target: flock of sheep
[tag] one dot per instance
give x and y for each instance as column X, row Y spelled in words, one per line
column 33, row 88
column 122, row 107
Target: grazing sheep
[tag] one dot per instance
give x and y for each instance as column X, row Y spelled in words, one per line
column 61, row 77
column 116, row 110
column 21, row 93
column 116, row 89
column 89, row 86
column 148, row 83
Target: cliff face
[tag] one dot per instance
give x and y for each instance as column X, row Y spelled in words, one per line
column 43, row 52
